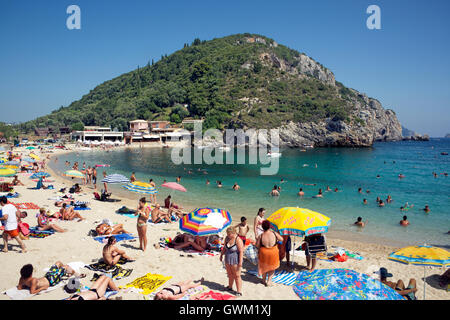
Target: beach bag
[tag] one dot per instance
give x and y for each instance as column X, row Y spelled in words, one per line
column 340, row 257
column 24, row 228
column 251, row 253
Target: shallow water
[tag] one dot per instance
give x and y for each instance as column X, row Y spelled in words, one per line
column 346, row 169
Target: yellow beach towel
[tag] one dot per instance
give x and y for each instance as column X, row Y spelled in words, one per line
column 148, row 283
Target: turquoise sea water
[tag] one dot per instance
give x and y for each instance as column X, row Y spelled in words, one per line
column 346, row 169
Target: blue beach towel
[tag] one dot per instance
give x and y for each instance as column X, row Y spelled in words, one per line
column 280, row 276
column 119, row 237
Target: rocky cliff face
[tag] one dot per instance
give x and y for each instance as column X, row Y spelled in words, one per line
column 369, row 121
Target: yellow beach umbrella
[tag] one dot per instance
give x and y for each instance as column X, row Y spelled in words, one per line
column 422, row 256
column 299, row 221
column 9, row 166
column 7, row 172
column 74, row 174
column 35, row 157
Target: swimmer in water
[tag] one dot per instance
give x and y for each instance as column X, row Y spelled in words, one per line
column 301, row 193
column 378, row 200
column 360, row 190
column 404, row 222
column 274, row 191
column 360, row 223
column 219, row 184
column 381, row 203
column 207, row 182
column 328, row 188
column 389, row 199
column 236, row 187
column 365, row 201
column 319, row 195
column 336, row 189
column 426, row 209
column 401, row 176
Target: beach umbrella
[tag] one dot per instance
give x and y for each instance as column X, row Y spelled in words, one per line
column 298, row 221
column 9, row 166
column 12, row 163
column 422, row 256
column 115, row 178
column 41, row 174
column 341, row 284
column 7, row 172
column 174, row 186
column 205, row 221
column 74, row 174
column 140, row 187
column 35, row 157
column 30, row 148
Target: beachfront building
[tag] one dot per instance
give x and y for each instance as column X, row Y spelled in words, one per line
column 188, row 123
column 139, row 126
column 94, row 133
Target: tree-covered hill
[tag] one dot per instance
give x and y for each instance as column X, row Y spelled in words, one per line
column 242, row 80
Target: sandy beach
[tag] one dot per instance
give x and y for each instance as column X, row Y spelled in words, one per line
column 75, row 245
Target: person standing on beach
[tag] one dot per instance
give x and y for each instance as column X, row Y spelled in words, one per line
column 242, row 229
column 257, row 228
column 133, row 177
column 153, row 195
column 10, row 214
column 233, row 250
column 143, row 211
column 268, row 256
column 94, row 177
column 105, row 185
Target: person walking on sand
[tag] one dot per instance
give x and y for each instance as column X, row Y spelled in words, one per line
column 257, row 228
column 112, row 254
column 143, row 211
column 233, row 250
column 10, row 214
column 268, row 257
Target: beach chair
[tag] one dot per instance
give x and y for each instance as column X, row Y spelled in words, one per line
column 317, row 244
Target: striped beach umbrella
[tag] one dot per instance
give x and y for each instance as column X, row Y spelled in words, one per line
column 30, row 148
column 205, row 221
column 115, row 178
column 74, row 174
column 174, row 186
column 140, row 187
column 41, row 174
column 422, row 256
column 7, row 172
column 9, row 166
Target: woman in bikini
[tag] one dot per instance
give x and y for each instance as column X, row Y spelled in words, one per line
column 97, row 291
column 105, row 229
column 177, row 291
column 233, row 251
column 268, row 257
column 69, row 213
column 44, row 222
column 112, row 254
column 143, row 211
column 257, row 223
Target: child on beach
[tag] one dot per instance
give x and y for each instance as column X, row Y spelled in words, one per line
column 242, row 229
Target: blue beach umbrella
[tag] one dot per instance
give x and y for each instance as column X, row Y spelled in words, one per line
column 38, row 175
column 341, row 284
column 115, row 178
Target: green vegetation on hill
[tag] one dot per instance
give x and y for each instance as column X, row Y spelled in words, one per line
column 216, row 80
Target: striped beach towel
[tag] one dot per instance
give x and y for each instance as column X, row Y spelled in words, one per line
column 280, row 276
column 25, row 206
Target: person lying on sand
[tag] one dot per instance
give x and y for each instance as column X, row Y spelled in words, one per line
column 177, row 291
column 408, row 292
column 112, row 254
column 105, row 229
column 53, row 277
column 67, row 213
column 186, row 240
column 97, row 290
column 44, row 222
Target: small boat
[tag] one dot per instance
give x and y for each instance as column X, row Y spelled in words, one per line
column 309, row 146
column 225, row 148
column 274, row 154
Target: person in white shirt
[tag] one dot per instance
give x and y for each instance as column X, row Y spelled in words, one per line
column 9, row 214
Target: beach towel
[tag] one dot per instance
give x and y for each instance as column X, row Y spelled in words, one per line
column 25, row 206
column 119, row 237
column 268, row 259
column 126, row 212
column 9, row 195
column 36, row 233
column 101, row 266
column 280, row 276
column 81, row 208
column 251, row 253
column 193, row 292
column 350, row 254
column 148, row 283
column 117, row 274
column 212, row 295
column 16, row 294
column 107, row 294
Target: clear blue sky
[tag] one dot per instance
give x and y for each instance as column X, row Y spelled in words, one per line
column 405, row 65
